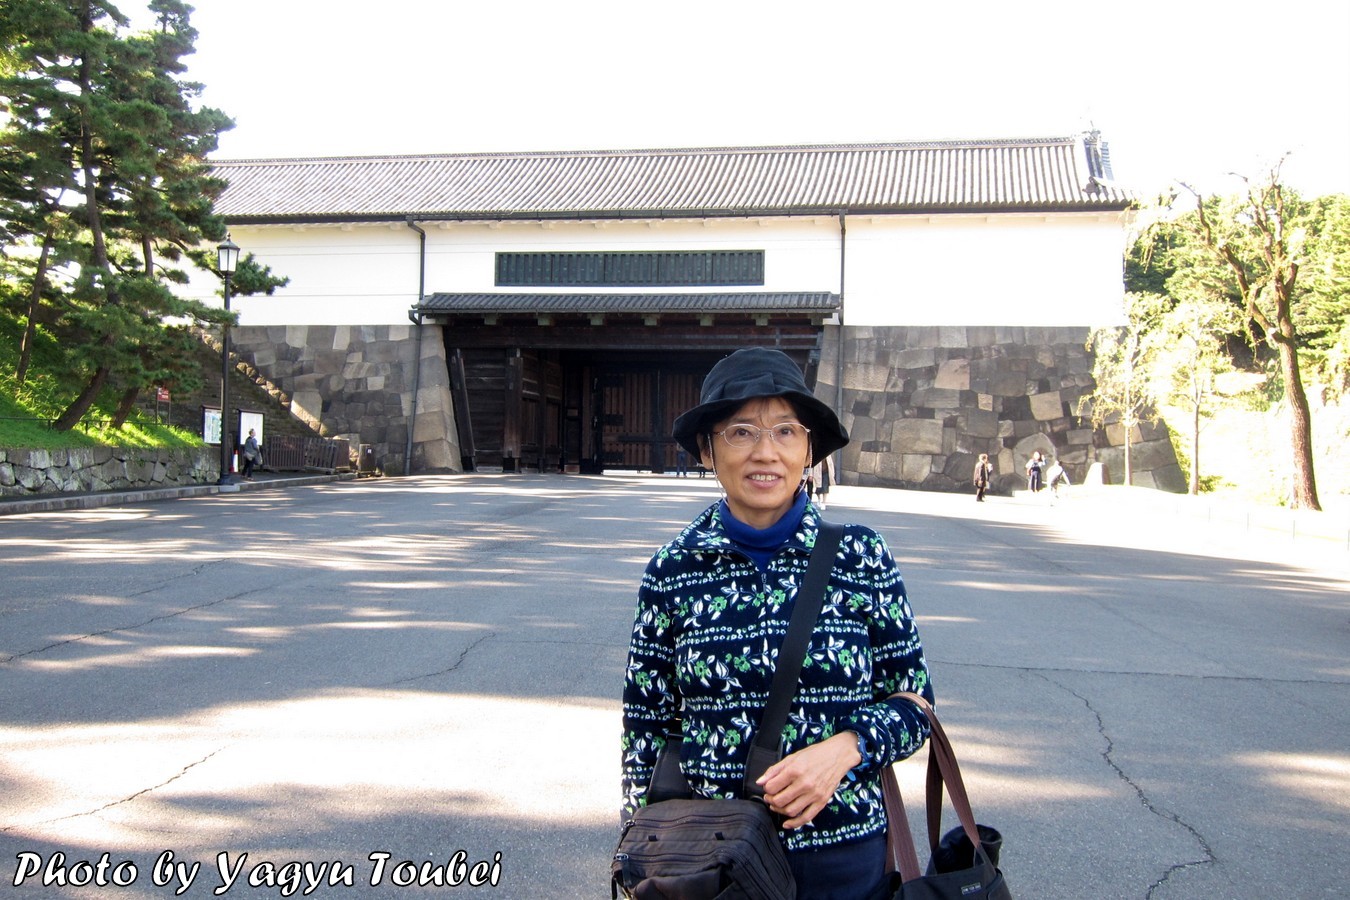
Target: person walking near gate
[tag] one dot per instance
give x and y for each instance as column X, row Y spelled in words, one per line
column 714, row 605
column 1035, row 472
column 1054, row 477
column 822, row 474
column 984, row 471
column 252, row 455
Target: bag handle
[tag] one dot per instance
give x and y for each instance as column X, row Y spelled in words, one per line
column 942, row 768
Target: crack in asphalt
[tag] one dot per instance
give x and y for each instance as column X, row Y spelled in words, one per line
column 141, row 793
column 120, row 628
column 1041, row 670
column 1107, row 755
column 463, row 654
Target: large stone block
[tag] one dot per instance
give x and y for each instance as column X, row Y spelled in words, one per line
column 437, row 455
column 296, row 336
column 888, row 466
column 1047, row 406
column 869, row 377
column 1171, row 478
column 1007, row 384
column 915, row 467
column 920, row 336
column 1152, row 455
column 329, row 361
column 981, row 336
column 979, row 423
column 862, row 429
column 953, row 337
column 954, row 374
column 914, row 358
column 861, row 462
column 308, row 405
column 935, row 398
column 917, row 436
column 1115, row 434
column 429, row 428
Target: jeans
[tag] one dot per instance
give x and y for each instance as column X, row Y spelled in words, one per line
column 854, row 871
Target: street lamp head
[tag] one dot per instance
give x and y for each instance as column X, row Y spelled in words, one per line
column 227, row 256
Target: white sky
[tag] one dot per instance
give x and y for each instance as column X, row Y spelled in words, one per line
column 1180, row 89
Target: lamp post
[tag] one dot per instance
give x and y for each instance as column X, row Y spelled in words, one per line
column 227, row 259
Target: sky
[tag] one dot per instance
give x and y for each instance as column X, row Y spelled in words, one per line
column 1181, row 91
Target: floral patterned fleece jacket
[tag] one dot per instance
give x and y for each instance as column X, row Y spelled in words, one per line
column 707, row 630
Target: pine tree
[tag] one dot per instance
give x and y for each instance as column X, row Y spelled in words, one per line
column 109, row 177
column 36, row 150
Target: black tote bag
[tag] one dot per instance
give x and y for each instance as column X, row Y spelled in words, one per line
column 963, row 864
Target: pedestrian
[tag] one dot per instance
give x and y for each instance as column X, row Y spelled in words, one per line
column 681, row 462
column 984, row 471
column 822, row 474
column 714, row 604
column 1035, row 472
column 252, row 454
column 1054, row 477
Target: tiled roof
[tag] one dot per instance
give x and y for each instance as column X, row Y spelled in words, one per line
column 583, row 304
column 1049, row 174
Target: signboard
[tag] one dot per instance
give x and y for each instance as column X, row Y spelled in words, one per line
column 161, row 395
column 250, row 419
column 211, row 424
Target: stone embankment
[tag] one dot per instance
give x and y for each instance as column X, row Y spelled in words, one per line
column 33, row 472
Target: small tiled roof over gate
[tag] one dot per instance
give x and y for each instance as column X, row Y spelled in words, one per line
column 1017, row 175
column 578, row 303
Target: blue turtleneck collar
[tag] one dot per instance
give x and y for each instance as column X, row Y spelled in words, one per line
column 760, row 544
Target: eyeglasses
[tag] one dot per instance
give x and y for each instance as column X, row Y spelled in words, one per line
column 788, row 435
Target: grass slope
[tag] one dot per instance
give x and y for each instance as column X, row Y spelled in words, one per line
column 27, row 409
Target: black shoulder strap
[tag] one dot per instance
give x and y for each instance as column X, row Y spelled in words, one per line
column 668, row 782
column 764, row 751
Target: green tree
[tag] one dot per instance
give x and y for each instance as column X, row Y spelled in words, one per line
column 113, row 185
column 1323, row 306
column 1188, row 355
column 37, row 137
column 1257, row 243
column 1121, row 369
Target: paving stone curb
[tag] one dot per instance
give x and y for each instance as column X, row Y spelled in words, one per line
column 93, row 500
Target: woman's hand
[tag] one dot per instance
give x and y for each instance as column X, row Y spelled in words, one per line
column 800, row 784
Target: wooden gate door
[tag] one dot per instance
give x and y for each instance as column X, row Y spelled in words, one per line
column 637, row 408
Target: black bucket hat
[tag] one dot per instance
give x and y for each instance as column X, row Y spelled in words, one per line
column 750, row 374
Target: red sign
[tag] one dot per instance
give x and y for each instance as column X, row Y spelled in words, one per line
column 162, row 395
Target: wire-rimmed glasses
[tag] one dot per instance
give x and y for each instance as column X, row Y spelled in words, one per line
column 788, row 435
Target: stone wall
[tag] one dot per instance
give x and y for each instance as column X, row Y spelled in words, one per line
column 356, row 382
column 921, row 404
column 31, row 472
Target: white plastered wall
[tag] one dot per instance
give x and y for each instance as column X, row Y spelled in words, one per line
column 1056, row 270
column 1062, row 269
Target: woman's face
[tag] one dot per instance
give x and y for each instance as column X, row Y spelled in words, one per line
column 760, row 480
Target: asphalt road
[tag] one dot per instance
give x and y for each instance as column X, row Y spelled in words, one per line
column 418, row 678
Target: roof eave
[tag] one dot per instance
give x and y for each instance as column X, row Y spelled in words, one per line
column 1106, row 205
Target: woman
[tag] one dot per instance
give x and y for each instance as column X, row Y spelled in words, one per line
column 1035, row 469
column 713, row 607
column 984, row 471
column 252, row 453
column 823, row 475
